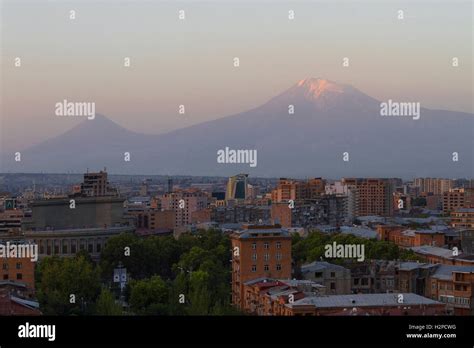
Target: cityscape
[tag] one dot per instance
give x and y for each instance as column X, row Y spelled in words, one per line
column 210, row 172
column 136, row 245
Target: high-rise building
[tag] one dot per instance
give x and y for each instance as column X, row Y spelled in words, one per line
column 184, row 203
column 170, row 185
column 237, row 187
column 96, row 185
column 373, row 196
column 288, row 189
column 259, row 251
column 457, row 198
column 435, row 186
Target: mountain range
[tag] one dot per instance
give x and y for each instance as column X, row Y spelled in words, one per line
column 329, row 119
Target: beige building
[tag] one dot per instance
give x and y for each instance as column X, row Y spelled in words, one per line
column 184, row 203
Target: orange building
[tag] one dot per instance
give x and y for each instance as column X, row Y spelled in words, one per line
column 288, row 189
column 19, row 270
column 373, row 196
column 410, row 238
column 453, row 285
column 444, row 256
column 281, row 214
column 153, row 219
column 457, row 198
column 462, row 218
column 259, row 251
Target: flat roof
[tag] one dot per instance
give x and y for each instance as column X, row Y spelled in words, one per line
column 363, row 300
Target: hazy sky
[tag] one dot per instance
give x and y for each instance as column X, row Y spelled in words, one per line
column 190, row 62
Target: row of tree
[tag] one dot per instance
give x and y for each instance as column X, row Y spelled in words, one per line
column 166, row 276
column 312, row 248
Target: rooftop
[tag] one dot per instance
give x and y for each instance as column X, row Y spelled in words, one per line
column 363, row 300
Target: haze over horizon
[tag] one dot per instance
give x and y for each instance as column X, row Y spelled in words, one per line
column 82, row 60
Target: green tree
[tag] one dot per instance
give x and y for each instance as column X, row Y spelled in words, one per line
column 199, row 295
column 67, row 285
column 149, row 296
column 106, row 304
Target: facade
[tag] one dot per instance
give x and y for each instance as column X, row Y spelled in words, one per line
column 68, row 242
column 335, row 278
column 410, row 238
column 18, row 270
column 96, row 185
column 259, row 251
column 456, row 199
column 89, row 212
column 453, row 285
column 288, row 189
column 10, row 221
column 184, row 203
column 373, row 196
column 436, row 186
column 241, row 214
column 324, row 210
column 463, row 218
column 444, row 256
column 237, row 187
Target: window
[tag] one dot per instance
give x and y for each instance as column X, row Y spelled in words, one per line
column 254, row 268
column 333, row 286
column 266, row 268
column 266, row 245
column 279, row 256
column 266, row 257
column 5, row 277
column 278, row 267
column 254, row 257
column 19, row 276
column 5, row 266
column 254, row 246
column 278, row 245
column 333, row 274
column 318, row 274
column 18, row 265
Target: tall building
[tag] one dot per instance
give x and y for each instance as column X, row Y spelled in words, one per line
column 96, row 185
column 373, row 196
column 184, row 203
column 259, row 251
column 288, row 189
column 237, row 187
column 463, row 218
column 457, row 198
column 435, row 186
column 170, row 185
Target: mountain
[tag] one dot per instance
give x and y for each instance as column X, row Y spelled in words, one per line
column 328, row 120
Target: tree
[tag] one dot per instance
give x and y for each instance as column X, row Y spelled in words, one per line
column 199, row 296
column 106, row 304
column 67, row 285
column 149, row 296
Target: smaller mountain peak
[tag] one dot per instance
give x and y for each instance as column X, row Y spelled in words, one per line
column 316, row 86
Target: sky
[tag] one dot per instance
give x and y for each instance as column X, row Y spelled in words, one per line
column 190, row 62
